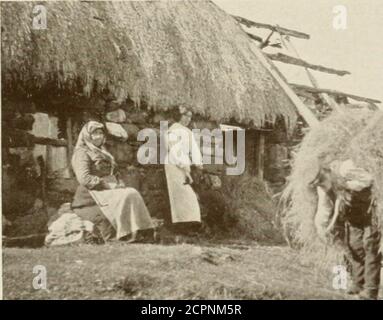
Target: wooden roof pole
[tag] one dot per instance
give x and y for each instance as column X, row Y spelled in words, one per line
column 299, row 62
column 266, row 41
column 303, row 110
column 289, row 32
column 325, row 97
column 332, row 92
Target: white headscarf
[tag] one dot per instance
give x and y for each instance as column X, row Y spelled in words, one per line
column 85, row 141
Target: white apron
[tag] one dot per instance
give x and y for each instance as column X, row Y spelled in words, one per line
column 183, row 200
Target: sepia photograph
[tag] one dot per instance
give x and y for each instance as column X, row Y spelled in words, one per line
column 204, row 151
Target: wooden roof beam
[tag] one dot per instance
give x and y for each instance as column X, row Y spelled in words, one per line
column 280, row 30
column 332, row 92
column 260, row 40
column 254, row 37
column 299, row 62
column 302, row 109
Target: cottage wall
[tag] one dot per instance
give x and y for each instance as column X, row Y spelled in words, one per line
column 124, row 122
column 279, row 153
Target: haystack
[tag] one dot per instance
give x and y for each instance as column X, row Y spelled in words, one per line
column 355, row 135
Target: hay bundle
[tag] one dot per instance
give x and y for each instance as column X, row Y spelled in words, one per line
column 251, row 210
column 355, row 135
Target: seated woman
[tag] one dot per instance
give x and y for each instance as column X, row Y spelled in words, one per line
column 102, row 198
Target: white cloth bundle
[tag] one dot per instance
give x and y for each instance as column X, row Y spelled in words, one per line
column 68, row 228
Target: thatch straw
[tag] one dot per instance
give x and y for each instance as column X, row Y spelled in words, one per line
column 356, row 135
column 165, row 53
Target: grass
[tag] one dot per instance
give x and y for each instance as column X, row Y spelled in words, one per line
column 146, row 271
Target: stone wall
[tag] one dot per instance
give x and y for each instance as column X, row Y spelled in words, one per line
column 149, row 179
column 279, row 152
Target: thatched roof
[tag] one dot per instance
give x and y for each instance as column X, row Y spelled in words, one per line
column 165, row 53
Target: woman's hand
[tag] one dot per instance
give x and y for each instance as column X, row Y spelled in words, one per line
column 103, row 185
column 189, row 179
column 120, row 185
column 109, row 182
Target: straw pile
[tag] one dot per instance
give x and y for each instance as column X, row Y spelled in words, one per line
column 355, row 135
column 251, row 212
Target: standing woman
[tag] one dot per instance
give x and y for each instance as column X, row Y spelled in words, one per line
column 182, row 153
column 101, row 197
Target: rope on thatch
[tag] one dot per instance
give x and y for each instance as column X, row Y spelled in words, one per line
column 299, row 62
column 332, row 92
column 288, row 32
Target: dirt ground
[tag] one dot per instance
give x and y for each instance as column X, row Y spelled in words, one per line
column 149, row 271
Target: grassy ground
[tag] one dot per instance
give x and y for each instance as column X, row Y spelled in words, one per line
column 146, row 271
